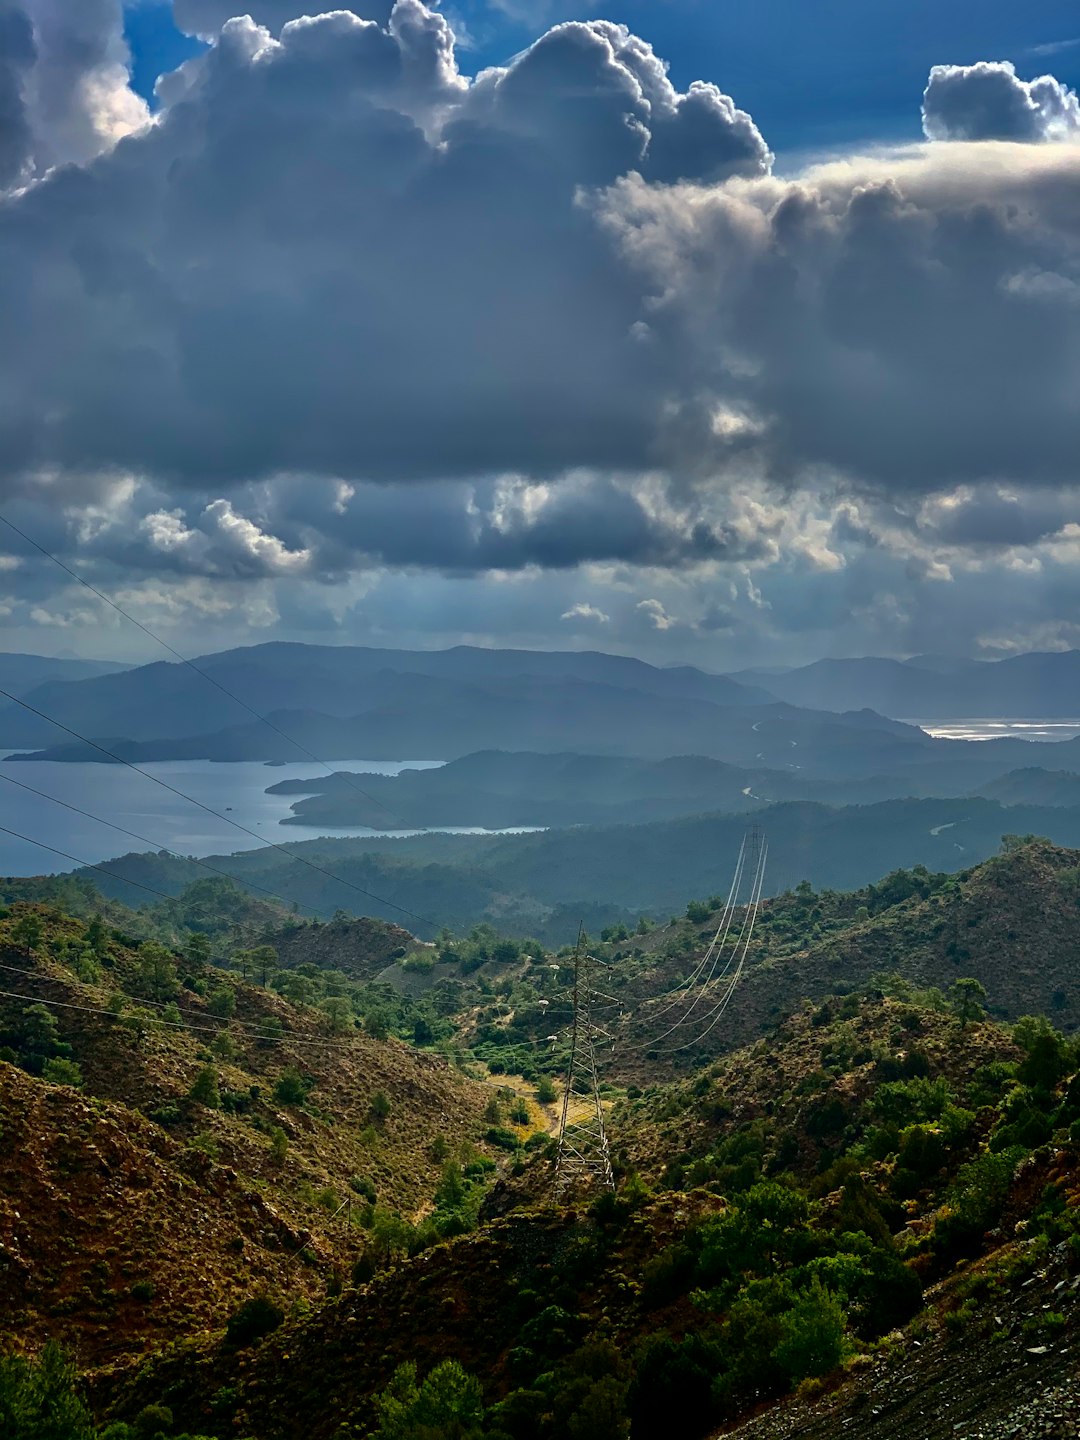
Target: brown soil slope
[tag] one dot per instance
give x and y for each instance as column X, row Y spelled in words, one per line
column 165, row 1161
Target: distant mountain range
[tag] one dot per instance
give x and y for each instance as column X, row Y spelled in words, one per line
column 20, row 674
column 345, row 702
column 1036, row 686
column 384, row 694
column 560, row 737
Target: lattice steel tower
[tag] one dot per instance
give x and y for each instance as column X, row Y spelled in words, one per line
column 583, row 1156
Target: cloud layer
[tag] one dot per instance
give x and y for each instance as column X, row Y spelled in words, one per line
column 342, row 314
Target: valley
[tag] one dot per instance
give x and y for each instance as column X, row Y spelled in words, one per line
column 286, row 1119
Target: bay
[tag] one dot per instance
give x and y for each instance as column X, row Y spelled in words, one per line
column 131, row 801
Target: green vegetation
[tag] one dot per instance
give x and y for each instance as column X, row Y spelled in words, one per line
column 888, row 1157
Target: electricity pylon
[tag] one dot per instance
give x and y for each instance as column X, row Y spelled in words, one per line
column 583, row 1147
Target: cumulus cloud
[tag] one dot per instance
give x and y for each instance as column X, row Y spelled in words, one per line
column 334, row 254
column 583, row 611
column 221, row 542
column 65, row 95
column 343, row 314
column 657, row 616
column 989, row 101
column 866, row 315
column 205, row 18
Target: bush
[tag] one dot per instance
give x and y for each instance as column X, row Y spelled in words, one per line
column 222, row 1003
column 205, row 1090
column 38, row 1398
column 811, row 1334
column 364, row 1187
column 291, row 1088
column 673, row 1378
column 254, row 1319
column 546, row 1093
column 447, row 1404
column 380, row 1105
column 504, row 1139
column 62, row 1072
column 279, row 1145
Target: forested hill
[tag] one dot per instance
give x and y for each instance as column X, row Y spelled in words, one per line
column 546, row 884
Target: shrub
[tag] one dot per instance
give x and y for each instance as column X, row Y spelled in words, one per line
column 291, row 1088
column 222, row 1003
column 504, row 1139
column 380, row 1105
column 38, row 1398
column 811, row 1333
column 62, row 1072
column 448, row 1404
column 279, row 1145
column 152, row 1421
column 546, row 1092
column 204, row 1090
column 167, row 1114
column 254, row 1319
column 673, row 1377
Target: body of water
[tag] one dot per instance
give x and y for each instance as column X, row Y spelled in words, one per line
column 136, row 804
column 999, row 729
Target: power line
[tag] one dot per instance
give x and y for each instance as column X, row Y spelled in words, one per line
column 749, row 921
column 104, row 750
column 714, row 951
column 86, row 864
column 257, row 1027
column 583, row 1153
column 146, row 840
column 192, row 666
column 166, row 1024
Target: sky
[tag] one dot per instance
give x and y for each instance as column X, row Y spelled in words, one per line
column 720, row 334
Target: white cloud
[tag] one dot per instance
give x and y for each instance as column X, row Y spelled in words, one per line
column 65, row 93
column 583, row 611
column 653, row 611
column 989, row 101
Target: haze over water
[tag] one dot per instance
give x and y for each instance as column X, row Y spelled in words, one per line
column 1049, row 730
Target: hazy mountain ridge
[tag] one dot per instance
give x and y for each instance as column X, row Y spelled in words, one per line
column 22, row 674
column 1031, row 686
column 169, row 700
column 501, row 789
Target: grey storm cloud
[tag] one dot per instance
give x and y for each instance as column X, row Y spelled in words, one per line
column 989, row 101
column 894, row 321
column 17, row 55
column 303, row 527
column 334, row 254
column 989, row 517
column 340, row 308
